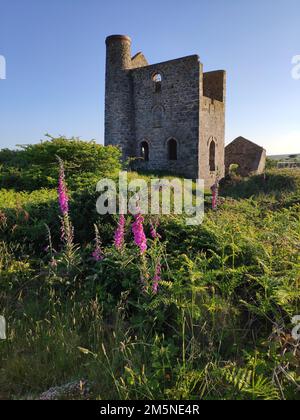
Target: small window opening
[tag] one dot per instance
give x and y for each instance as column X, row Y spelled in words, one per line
column 212, row 156
column 145, row 151
column 157, row 79
column 172, row 149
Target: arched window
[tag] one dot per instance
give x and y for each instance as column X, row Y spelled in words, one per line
column 145, row 151
column 212, row 156
column 172, row 149
column 157, row 79
column 157, row 116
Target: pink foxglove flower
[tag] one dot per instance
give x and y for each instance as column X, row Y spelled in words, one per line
column 138, row 232
column 119, row 234
column 153, row 231
column 97, row 253
column 67, row 230
column 215, row 194
column 63, row 197
column 156, row 278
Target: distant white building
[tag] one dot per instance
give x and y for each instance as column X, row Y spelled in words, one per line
column 288, row 165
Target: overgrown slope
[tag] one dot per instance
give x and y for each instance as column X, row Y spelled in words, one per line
column 218, row 328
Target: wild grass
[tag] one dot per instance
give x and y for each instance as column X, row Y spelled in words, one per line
column 219, row 328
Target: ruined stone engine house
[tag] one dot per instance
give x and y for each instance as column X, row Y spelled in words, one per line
column 171, row 115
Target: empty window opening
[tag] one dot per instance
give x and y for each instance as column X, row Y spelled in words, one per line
column 172, row 149
column 157, row 79
column 212, row 156
column 145, row 151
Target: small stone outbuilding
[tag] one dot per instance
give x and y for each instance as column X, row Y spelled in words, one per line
column 250, row 158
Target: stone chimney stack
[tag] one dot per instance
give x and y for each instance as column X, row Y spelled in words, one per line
column 118, row 94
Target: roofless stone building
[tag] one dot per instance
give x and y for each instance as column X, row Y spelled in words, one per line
column 250, row 157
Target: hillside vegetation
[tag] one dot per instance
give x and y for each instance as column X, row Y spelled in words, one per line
column 199, row 312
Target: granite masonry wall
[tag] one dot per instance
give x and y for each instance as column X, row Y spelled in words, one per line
column 172, row 112
column 212, row 126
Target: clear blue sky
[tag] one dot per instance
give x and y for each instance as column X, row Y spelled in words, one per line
column 55, row 56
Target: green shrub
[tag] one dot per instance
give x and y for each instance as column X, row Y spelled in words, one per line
column 279, row 183
column 271, row 163
column 35, row 166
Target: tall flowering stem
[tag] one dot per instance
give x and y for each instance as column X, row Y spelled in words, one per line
column 97, row 254
column 153, row 231
column 139, row 234
column 67, row 231
column 156, row 278
column 120, row 233
column 51, row 250
column 63, row 198
column 215, row 195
